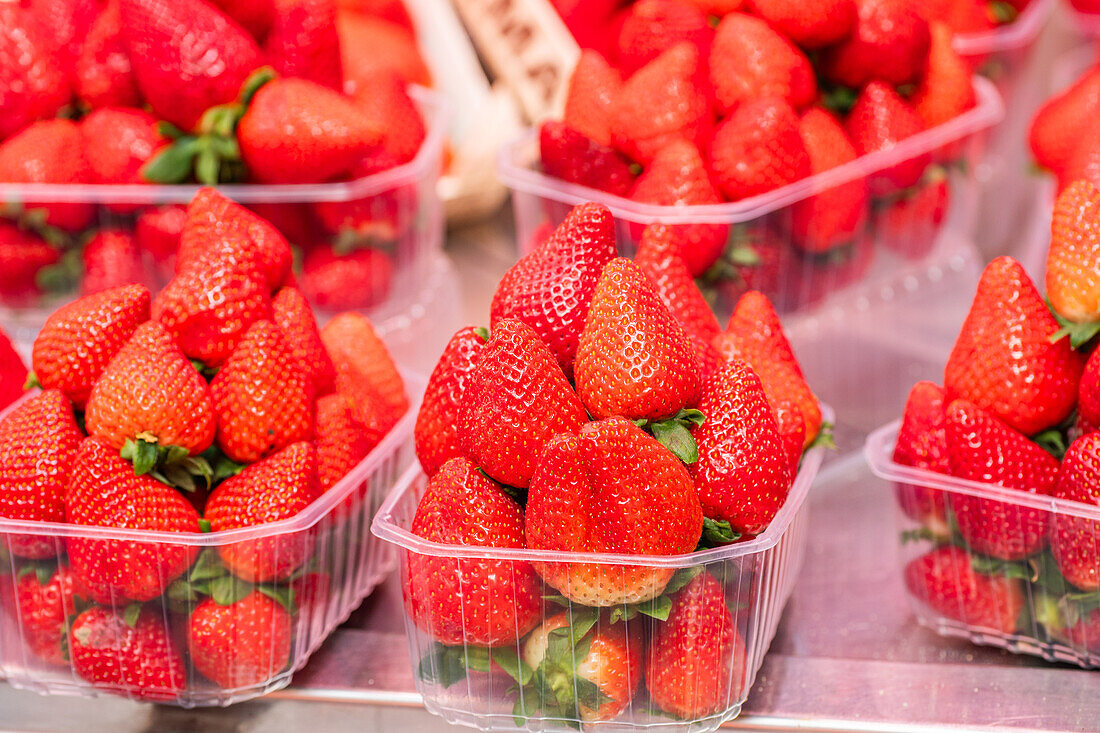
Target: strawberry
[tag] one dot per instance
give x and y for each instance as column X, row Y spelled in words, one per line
column 922, row 443
column 837, row 215
column 1088, row 393
column 359, row 279
column 384, row 99
column 634, row 359
column 695, row 661
column 111, row 259
column 945, row 90
column 590, row 98
column 1073, row 259
column 119, row 142
column 193, row 56
column 675, row 286
column 393, row 11
column 1073, row 540
column 65, row 24
column 51, row 151
column 303, row 42
column 25, row 259
column 241, row 644
column 758, row 149
column 436, row 432
column 911, row 223
column 13, row 372
column 551, row 288
column 981, row 448
column 157, row 233
column 369, row 44
column 340, row 441
column 1003, row 360
column 45, row 601
column 750, row 60
column 574, row 158
column 103, row 76
column 255, row 16
column 612, row 488
column 383, row 220
column 458, row 601
column 879, row 120
column 276, row 487
column 960, row 16
column 1058, row 125
column 516, row 399
column 743, row 475
column 654, row 26
column 149, row 391
column 81, row 338
column 810, row 25
column 592, row 22
column 717, row 8
column 103, row 491
column 660, row 103
column 1084, row 162
column 944, row 580
column 139, row 659
column 889, row 43
column 33, row 83
column 296, row 324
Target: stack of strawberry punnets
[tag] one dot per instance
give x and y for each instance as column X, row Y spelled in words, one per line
column 216, row 404
column 1018, row 412
column 132, row 92
column 605, row 412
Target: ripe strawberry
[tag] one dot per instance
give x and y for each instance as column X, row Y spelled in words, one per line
column 960, row 16
column 38, row 442
column 461, row 601
column 717, row 8
column 922, row 443
column 340, row 441
column 944, row 580
column 758, row 149
column 45, row 602
column 33, row 83
column 612, row 488
column 241, row 644
column 255, row 16
column 192, row 56
column 294, row 319
column 593, row 23
column 140, row 659
column 1084, row 162
column 1057, row 127
column 24, row 259
column 516, row 399
column 662, row 264
column 651, row 27
column 436, row 432
column 551, row 288
column 119, row 142
column 810, row 25
column 945, row 90
column 695, row 661
column 574, row 158
column 1073, row 540
column 369, row 44
column 660, row 103
column 836, row 215
column 634, row 359
column 750, row 60
column 157, row 233
column 103, row 491
column 879, row 120
column 65, row 24
column 111, row 259
column 303, row 42
column 359, row 279
column 150, row 391
column 384, row 99
column 276, row 487
column 381, row 220
column 1088, row 393
column 910, row 225
column 13, row 372
column 590, row 100
column 889, row 43
column 103, row 76
column 79, row 339
column 743, row 475
column 1003, row 360
column 393, row 11
column 50, row 151
column 1073, row 260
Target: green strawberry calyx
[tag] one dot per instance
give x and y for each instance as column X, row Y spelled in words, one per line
column 1079, row 334
column 210, row 577
column 675, row 433
column 170, row 464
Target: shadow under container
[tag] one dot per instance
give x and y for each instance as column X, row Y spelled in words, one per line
column 1026, row 605
column 756, row 577
column 336, row 564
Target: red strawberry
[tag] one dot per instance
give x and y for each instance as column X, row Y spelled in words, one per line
column 591, row 22
column 961, row 16
column 717, row 8
column 119, row 142
column 436, row 432
column 654, row 26
column 758, row 149
column 104, row 492
column 33, row 83
column 1073, row 540
column 944, row 580
column 1073, row 259
column 368, row 45
column 459, row 601
column 676, row 287
column 79, row 339
column 13, row 372
column 303, row 42
column 1084, row 162
column 810, row 25
column 103, row 76
column 150, row 391
column 611, row 489
column 340, row 440
column 255, row 16
column 241, row 644
column 879, row 120
column 1058, row 126
column 981, row 448
column 192, row 56
column 1003, row 360
column 393, row 11
column 38, row 442
column 274, row 488
column 743, row 474
column 359, row 279
column 551, row 288
column 634, row 359
column 922, row 443
column 139, row 659
column 889, row 43
column 695, row 662
column 24, row 260
column 111, row 259
column 910, row 225
column 384, row 99
column 1088, row 392
column 590, row 99
column 51, row 151
column 750, row 61
column 572, row 157
column 385, row 220
column 294, row 319
column 45, row 602
column 660, row 103
column 157, row 233
column 945, row 90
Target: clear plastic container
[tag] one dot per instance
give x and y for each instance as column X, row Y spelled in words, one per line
column 757, row 577
column 998, row 53
column 395, row 214
column 341, row 563
column 1029, row 607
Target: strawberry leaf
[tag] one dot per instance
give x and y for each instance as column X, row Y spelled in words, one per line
column 131, row 613
column 1002, row 13
column 174, row 163
column 254, row 83
column 917, row 535
column 676, row 437
column 281, row 594
column 558, row 600
column 32, row 382
column 657, row 608
column 716, row 533
column 682, row 578
column 589, row 694
column 204, row 525
column 229, row 589
column 824, row 438
column 445, row 665
column 207, row 165
column 482, row 333
column 207, row 567
column 141, row 453
column 1079, row 334
column 508, row 659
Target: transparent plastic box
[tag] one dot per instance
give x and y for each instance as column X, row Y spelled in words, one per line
column 339, row 562
column 999, row 53
column 757, row 577
column 394, row 216
column 1031, row 608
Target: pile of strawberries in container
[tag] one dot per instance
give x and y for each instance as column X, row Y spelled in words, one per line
column 122, row 92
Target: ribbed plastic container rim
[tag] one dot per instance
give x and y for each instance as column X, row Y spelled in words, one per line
column 432, row 105
column 1022, row 31
column 878, row 450
column 386, row 527
column 520, row 175
column 307, row 518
